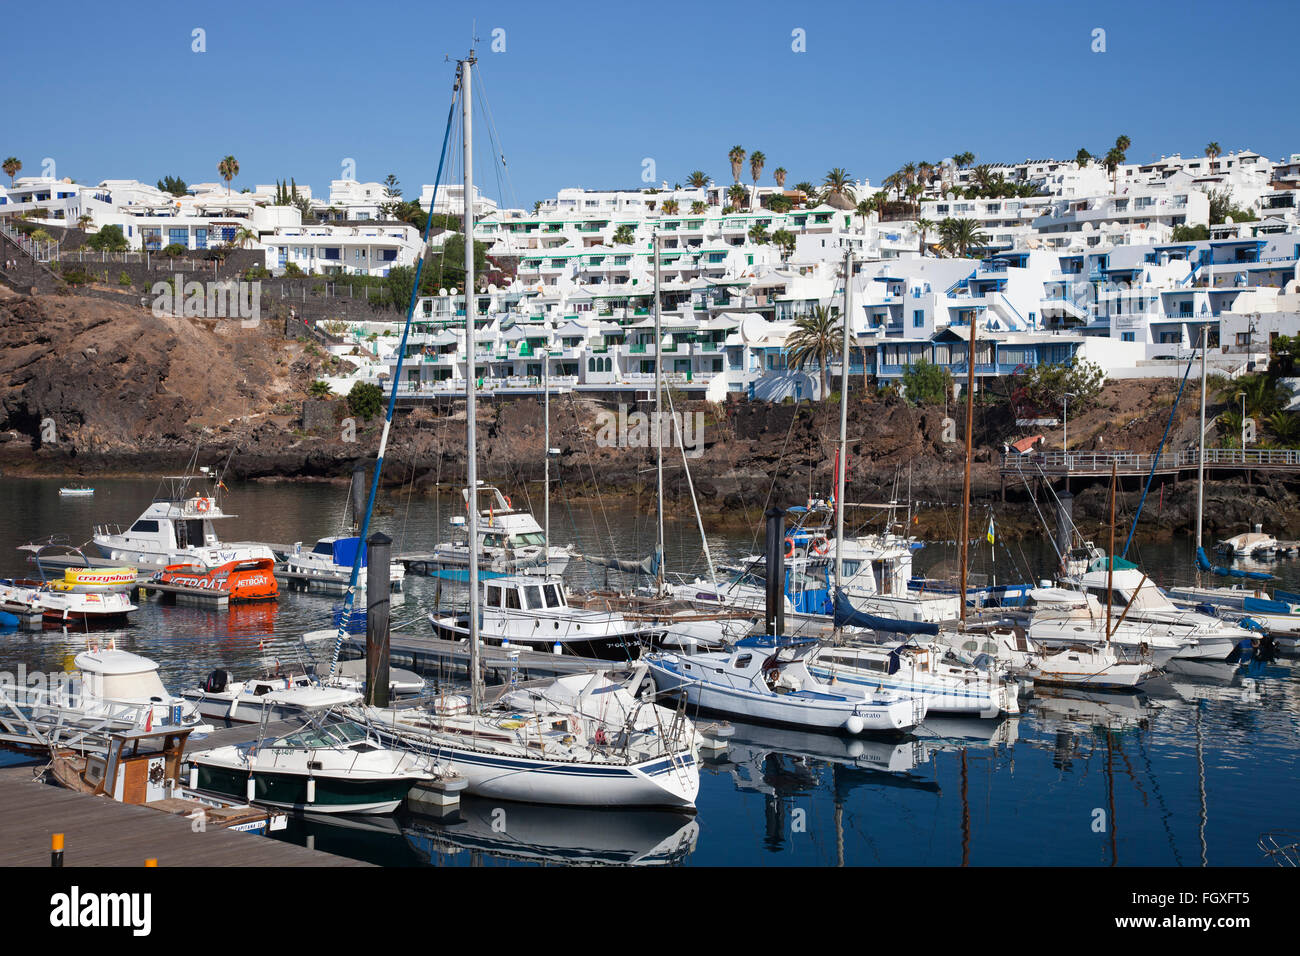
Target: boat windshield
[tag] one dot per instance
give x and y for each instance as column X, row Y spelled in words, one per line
column 533, row 594
column 530, row 538
column 145, row 685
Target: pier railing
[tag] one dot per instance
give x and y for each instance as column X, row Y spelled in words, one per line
column 37, row 718
column 1127, row 462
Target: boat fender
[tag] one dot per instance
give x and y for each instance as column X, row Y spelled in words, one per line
column 854, row 724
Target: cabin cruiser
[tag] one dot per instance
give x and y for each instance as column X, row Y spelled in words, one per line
column 1254, row 543
column 534, row 613
column 177, row 529
column 330, row 562
column 918, row 669
column 1139, row 600
column 1008, row 647
column 768, row 679
column 1060, row 617
column 326, row 766
column 272, row 696
column 110, row 679
column 509, row 539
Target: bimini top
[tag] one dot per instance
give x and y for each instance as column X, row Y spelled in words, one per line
column 113, row 662
column 343, row 551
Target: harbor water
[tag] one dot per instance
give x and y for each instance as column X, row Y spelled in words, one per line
column 1196, row 769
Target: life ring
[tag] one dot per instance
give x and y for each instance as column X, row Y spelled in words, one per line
column 508, row 504
column 819, row 545
column 201, row 504
column 789, row 547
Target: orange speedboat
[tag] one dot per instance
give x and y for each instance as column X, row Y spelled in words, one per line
column 251, row 580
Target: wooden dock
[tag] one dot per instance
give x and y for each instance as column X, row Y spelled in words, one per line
column 101, row 832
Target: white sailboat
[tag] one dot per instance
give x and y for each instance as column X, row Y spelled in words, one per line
column 552, row 753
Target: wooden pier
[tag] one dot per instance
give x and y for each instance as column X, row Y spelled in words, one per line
column 102, row 832
column 197, row 597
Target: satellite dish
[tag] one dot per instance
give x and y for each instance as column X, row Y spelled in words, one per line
column 442, row 292
column 453, row 290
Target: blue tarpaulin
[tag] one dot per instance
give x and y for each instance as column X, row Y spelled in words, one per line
column 847, row 614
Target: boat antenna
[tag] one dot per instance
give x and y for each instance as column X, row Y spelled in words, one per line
column 349, row 598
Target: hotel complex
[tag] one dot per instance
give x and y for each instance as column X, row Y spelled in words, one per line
column 1081, row 262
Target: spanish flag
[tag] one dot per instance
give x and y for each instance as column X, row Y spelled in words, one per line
column 989, row 533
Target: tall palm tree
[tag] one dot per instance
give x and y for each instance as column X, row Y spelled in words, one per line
column 963, row 159
column 759, row 235
column 784, row 240
column 1212, row 152
column 1082, row 157
column 1114, row 157
column 816, row 338
column 737, row 159
column 779, row 175
column 864, row 209
column 756, row 161
column 229, row 169
column 12, row 167
column 698, row 179
column 84, row 222
column 737, row 194
column 838, row 186
column 924, row 226
column 961, row 237
column 1122, row 143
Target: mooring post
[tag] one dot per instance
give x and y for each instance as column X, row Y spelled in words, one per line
column 774, row 624
column 379, row 548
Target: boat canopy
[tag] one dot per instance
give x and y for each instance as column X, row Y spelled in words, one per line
column 1099, row 564
column 847, row 614
column 343, row 550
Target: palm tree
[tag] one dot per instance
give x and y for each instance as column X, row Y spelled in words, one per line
column 963, row 159
column 756, row 161
column 12, row 167
column 737, row 159
column 838, row 187
column 670, row 207
column 229, row 169
column 816, row 338
column 1114, row 157
column 806, row 188
column 1285, row 427
column 737, row 194
column 1082, row 157
column 1212, row 152
column 758, row 235
column 960, row 237
column 784, row 240
column 697, row 179
column 84, row 222
column 243, row 236
column 864, row 209
column 1122, row 143
column 698, row 207
column 924, row 226
column 779, row 175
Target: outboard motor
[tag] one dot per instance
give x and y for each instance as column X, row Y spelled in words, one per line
column 216, row 682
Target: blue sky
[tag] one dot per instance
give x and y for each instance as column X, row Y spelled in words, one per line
column 584, row 92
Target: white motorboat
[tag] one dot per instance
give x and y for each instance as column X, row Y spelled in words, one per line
column 329, row 565
column 59, row 606
column 509, row 539
column 918, row 669
column 269, row 697
column 178, row 529
column 1278, row 613
column 110, row 679
column 1254, row 543
column 1096, row 665
column 534, row 613
column 76, row 491
column 768, row 679
column 325, row 767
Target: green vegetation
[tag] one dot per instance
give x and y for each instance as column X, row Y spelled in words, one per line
column 366, row 400
column 1044, row 386
column 124, row 280
column 12, row 167
column 173, row 250
column 623, row 236
column 1222, row 209
column 1197, row 233
column 926, row 384
column 961, row 237
column 816, row 339
column 228, row 169
column 320, row 389
column 174, row 185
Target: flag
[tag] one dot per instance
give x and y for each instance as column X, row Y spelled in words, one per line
column 989, row 533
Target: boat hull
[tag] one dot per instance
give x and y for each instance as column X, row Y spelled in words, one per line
column 626, row 646
column 290, row 790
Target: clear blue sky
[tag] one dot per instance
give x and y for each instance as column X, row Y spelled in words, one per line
column 585, row 91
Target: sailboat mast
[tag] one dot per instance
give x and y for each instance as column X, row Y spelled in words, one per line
column 659, row 423
column 471, row 441
column 844, row 421
column 1110, row 555
column 546, row 453
column 965, row 485
column 1200, row 457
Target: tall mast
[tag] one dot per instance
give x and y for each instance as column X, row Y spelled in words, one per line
column 1110, row 555
column 546, row 453
column 965, row 485
column 659, row 429
column 1200, row 459
column 844, row 420
column 471, row 442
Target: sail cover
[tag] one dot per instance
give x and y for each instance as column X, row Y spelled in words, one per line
column 847, row 615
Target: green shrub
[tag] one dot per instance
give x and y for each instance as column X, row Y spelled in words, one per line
column 366, row 400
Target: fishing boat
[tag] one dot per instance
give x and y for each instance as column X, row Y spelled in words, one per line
column 143, row 768
column 250, row 579
column 534, row 613
column 272, row 696
column 509, row 538
column 76, row 491
column 329, row 564
column 767, row 678
column 179, row 527
column 918, row 669
column 327, row 766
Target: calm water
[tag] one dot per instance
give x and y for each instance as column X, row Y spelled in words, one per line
column 1194, row 770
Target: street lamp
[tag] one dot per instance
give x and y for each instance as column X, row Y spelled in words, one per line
column 1242, row 396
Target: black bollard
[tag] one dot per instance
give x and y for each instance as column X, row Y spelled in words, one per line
column 774, row 621
column 379, row 548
